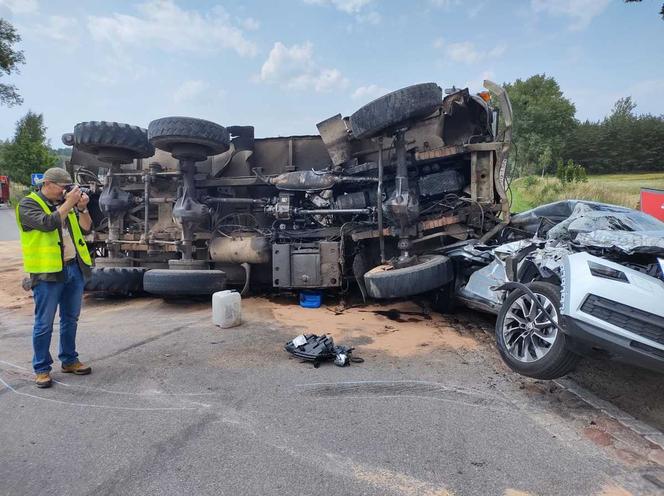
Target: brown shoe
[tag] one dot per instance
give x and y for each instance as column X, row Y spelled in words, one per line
column 77, row 368
column 43, row 380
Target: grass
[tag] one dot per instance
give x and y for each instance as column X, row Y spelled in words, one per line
column 618, row 189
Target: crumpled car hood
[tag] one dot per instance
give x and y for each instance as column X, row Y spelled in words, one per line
column 649, row 242
column 597, row 225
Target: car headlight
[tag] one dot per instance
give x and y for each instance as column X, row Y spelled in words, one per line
column 606, row 272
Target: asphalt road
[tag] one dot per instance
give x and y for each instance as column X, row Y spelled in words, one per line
column 8, row 229
column 178, row 406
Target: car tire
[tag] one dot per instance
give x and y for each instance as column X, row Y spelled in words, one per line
column 395, row 108
column 129, row 141
column 167, row 132
column 431, row 272
column 166, row 282
column 116, row 280
column 520, row 354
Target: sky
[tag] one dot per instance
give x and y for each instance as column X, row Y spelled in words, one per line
column 285, row 66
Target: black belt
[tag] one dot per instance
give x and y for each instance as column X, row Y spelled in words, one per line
column 71, row 262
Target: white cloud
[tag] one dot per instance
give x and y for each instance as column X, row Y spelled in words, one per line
column 295, row 67
column 347, row 6
column 581, row 12
column 497, row 51
column 163, row 24
column 466, row 52
column 116, row 68
column 368, row 93
column 328, row 80
column 19, row 6
column 477, row 84
column 189, row 90
column 63, row 30
column 463, row 51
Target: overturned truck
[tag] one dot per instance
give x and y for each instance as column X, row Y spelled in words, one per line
column 189, row 206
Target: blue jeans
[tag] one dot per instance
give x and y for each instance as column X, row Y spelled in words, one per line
column 68, row 295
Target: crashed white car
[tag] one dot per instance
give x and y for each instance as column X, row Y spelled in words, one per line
column 567, row 279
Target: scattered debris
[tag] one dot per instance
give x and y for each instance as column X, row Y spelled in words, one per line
column 317, row 349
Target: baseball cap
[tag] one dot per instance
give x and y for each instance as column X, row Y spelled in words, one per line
column 57, row 175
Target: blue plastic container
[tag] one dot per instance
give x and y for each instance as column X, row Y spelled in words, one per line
column 311, row 299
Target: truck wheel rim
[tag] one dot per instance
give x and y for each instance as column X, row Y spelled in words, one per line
column 527, row 332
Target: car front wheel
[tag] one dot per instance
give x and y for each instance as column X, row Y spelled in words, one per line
column 527, row 339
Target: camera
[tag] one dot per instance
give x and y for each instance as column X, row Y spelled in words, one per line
column 83, row 189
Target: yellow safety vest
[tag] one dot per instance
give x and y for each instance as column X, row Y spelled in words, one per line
column 41, row 249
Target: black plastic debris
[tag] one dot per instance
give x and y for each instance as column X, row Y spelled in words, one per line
column 317, row 349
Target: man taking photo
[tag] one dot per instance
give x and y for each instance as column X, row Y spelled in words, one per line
column 52, row 223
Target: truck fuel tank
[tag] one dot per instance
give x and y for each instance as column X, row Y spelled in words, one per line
column 247, row 248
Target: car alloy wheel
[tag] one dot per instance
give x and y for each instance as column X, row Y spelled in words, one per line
column 528, row 333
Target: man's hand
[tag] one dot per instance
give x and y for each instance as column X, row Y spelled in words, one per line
column 83, row 202
column 72, row 197
column 84, row 219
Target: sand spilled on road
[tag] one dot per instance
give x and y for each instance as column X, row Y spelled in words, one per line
column 12, row 295
column 400, row 329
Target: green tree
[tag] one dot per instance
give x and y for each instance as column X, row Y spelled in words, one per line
column 10, row 58
column 623, row 109
column 544, row 160
column 623, row 142
column 560, row 170
column 569, row 171
column 580, row 176
column 543, row 118
column 28, row 151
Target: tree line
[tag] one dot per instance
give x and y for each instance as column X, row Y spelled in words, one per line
column 546, row 133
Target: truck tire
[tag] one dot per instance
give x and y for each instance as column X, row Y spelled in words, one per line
column 166, row 282
column 520, row 344
column 431, row 272
column 92, row 136
column 167, row 132
column 116, row 280
column 395, row 108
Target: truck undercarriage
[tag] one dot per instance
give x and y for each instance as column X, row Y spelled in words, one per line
column 188, row 206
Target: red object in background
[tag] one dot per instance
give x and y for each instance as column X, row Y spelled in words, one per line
column 4, row 189
column 652, row 202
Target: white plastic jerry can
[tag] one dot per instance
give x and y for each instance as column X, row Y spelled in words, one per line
column 226, row 308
